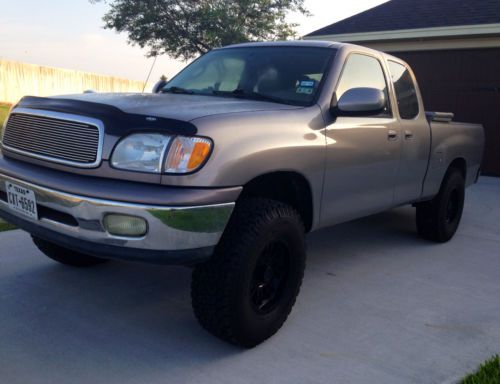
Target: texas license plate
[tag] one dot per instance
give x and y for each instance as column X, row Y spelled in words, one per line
column 21, row 200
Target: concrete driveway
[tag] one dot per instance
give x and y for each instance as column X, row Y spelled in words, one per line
column 378, row 305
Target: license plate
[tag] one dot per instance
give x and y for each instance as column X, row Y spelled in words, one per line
column 21, row 200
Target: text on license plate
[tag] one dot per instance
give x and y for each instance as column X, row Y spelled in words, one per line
column 21, row 200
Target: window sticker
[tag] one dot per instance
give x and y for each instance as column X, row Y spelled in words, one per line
column 306, row 87
column 307, row 84
column 305, row 90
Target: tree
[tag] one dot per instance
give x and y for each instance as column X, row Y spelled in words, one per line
column 187, row 28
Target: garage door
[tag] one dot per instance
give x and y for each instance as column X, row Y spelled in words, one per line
column 466, row 82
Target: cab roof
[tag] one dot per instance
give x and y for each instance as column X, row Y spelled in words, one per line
column 291, row 43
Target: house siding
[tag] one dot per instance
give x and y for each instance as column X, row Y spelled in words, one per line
column 467, row 83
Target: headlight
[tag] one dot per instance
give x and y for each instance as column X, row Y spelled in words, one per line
column 141, row 152
column 146, row 152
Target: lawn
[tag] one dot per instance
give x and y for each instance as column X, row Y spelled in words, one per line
column 6, row 226
column 488, row 373
column 4, row 110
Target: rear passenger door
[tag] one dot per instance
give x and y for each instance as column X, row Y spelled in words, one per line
column 415, row 135
column 362, row 152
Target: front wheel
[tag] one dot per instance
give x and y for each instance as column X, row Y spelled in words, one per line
column 245, row 292
column 438, row 219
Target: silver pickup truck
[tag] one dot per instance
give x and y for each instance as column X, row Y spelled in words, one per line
column 227, row 167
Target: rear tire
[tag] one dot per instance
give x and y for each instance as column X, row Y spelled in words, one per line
column 246, row 291
column 439, row 218
column 66, row 256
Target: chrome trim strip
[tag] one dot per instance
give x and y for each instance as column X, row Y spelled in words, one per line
column 170, row 228
column 61, row 116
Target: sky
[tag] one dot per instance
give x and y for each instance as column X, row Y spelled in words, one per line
column 70, row 34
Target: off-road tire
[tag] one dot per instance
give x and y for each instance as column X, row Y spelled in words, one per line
column 228, row 296
column 64, row 255
column 439, row 218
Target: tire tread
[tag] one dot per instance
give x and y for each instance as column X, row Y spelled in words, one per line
column 211, row 283
column 429, row 216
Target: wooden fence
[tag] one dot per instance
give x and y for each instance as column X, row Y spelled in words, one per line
column 21, row 79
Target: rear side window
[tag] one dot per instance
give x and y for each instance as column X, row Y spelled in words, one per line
column 406, row 93
column 362, row 71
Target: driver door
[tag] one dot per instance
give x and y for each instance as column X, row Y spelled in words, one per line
column 362, row 151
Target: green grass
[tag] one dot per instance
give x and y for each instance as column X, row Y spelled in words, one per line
column 6, row 226
column 488, row 373
column 4, row 111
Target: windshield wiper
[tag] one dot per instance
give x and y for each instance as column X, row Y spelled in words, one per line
column 175, row 89
column 273, row 99
column 240, row 93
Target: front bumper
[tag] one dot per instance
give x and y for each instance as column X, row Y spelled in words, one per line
column 176, row 235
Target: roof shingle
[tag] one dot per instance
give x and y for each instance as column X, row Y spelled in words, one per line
column 413, row 14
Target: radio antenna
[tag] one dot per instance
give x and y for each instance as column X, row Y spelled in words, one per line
column 149, row 74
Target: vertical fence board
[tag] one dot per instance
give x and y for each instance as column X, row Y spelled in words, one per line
column 21, row 79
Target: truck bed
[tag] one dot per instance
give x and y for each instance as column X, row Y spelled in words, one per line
column 450, row 140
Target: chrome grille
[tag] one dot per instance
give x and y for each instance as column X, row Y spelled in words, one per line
column 53, row 138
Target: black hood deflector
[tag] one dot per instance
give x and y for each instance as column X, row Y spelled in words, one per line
column 116, row 121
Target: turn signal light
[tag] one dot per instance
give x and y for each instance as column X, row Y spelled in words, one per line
column 187, row 154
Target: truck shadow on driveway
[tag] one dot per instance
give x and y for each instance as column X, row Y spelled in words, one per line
column 134, row 319
column 377, row 234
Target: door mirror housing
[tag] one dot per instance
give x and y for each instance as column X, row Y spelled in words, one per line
column 361, row 102
column 159, row 86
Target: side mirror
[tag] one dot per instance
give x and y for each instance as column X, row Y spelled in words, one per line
column 361, row 101
column 159, row 86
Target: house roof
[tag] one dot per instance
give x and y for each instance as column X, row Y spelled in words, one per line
column 416, row 14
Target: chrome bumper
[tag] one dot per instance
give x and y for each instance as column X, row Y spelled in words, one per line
column 81, row 218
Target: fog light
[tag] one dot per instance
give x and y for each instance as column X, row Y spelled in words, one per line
column 124, row 225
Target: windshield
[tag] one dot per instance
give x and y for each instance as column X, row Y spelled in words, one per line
column 290, row 75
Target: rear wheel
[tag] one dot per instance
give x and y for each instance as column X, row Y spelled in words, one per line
column 64, row 255
column 245, row 292
column 439, row 218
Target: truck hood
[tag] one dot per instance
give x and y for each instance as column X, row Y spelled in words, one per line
column 176, row 106
column 122, row 113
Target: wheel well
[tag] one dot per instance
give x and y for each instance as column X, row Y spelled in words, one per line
column 288, row 187
column 461, row 165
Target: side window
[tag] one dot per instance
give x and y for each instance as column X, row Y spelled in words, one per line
column 362, row 71
column 406, row 93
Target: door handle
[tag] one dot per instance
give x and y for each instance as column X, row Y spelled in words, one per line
column 408, row 135
column 392, row 135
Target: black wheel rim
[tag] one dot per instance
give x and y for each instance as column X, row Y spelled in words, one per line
column 270, row 277
column 452, row 206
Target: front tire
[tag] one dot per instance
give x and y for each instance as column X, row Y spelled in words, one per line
column 246, row 291
column 438, row 219
column 64, row 255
